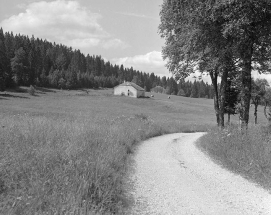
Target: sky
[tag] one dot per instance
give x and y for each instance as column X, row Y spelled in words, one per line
column 121, row 31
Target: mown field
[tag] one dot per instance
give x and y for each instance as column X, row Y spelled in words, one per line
column 67, row 152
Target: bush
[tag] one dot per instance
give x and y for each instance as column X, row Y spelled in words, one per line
column 181, row 93
column 157, row 89
column 62, row 83
column 31, row 90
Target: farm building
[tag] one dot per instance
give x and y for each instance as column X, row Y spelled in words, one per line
column 129, row 89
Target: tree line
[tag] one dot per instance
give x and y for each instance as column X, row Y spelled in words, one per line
column 28, row 61
column 226, row 39
column 196, row 89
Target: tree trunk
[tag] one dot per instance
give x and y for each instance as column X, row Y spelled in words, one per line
column 222, row 97
column 255, row 114
column 214, row 75
column 229, row 118
column 246, row 85
column 267, row 115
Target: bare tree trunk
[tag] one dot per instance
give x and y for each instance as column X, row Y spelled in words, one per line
column 214, row 75
column 255, row 113
column 229, row 118
column 246, row 85
column 240, row 123
column 267, row 115
column 222, row 98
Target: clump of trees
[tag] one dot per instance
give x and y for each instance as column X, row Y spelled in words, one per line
column 196, row 89
column 226, row 39
column 258, row 95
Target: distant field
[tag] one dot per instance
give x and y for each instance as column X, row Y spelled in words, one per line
column 102, row 104
column 67, row 151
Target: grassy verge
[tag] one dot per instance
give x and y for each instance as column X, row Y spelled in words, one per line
column 247, row 154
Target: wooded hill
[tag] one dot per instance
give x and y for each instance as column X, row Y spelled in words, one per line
column 28, row 61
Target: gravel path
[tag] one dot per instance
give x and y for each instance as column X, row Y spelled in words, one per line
column 171, row 176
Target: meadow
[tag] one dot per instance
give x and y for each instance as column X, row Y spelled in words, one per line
column 68, row 152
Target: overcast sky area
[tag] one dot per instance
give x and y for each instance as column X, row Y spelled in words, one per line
column 121, row 31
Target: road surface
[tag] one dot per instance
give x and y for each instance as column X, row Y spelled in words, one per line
column 172, row 176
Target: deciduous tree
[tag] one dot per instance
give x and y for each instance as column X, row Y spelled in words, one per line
column 257, row 94
column 217, row 35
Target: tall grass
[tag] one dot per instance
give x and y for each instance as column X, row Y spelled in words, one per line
column 247, row 153
column 65, row 166
column 64, row 152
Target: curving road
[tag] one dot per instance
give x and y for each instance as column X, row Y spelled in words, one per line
column 172, row 176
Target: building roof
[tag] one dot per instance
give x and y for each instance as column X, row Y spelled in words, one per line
column 132, row 84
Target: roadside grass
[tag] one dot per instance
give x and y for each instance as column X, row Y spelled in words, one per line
column 66, row 167
column 65, row 152
column 247, row 154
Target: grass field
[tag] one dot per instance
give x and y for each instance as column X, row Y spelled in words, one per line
column 67, row 152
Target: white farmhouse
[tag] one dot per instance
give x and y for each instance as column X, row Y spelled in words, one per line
column 129, row 89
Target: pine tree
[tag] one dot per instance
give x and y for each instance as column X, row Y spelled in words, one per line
column 9, row 44
column 18, row 66
column 3, row 61
column 194, row 90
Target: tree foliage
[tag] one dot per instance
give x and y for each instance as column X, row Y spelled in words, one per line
column 218, row 37
column 257, row 94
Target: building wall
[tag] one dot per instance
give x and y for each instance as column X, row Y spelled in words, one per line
column 123, row 90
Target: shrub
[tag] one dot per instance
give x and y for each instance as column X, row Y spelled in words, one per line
column 31, row 90
column 181, row 93
column 62, row 83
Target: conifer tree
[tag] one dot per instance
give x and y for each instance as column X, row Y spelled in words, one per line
column 18, row 66
column 3, row 61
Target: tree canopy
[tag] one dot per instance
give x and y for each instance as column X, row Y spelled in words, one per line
column 218, row 37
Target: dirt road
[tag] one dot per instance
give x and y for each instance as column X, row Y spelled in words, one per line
column 172, row 176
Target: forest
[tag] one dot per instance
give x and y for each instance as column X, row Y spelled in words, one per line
column 28, row 61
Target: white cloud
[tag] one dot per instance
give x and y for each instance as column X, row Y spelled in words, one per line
column 115, row 43
column 150, row 62
column 61, row 21
column 153, row 62
column 137, row 15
